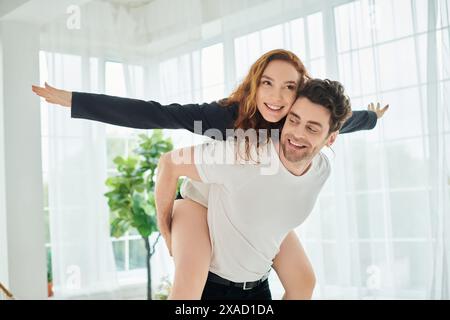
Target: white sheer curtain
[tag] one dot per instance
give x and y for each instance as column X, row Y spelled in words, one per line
column 83, row 264
column 381, row 227
column 75, row 150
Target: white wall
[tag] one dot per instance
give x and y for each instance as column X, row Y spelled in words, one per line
column 21, row 185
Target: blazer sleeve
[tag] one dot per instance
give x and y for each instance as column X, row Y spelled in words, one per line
column 360, row 120
column 141, row 114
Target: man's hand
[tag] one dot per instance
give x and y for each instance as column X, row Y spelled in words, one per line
column 380, row 112
column 53, row 95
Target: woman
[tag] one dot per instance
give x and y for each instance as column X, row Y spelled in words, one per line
column 261, row 101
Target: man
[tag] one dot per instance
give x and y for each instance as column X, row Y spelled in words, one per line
column 252, row 208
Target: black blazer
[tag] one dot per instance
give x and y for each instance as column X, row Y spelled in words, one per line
column 141, row 114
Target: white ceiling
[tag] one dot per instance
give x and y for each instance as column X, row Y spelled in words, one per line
column 129, row 3
column 39, row 11
column 43, row 11
column 10, row 5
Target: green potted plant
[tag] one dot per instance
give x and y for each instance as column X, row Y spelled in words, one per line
column 131, row 195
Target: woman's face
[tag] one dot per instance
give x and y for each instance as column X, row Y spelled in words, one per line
column 277, row 90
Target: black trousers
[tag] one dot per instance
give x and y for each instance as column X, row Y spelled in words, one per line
column 215, row 291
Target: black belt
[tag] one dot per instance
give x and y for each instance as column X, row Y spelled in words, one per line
column 242, row 285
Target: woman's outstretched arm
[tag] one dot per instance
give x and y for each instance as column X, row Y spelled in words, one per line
column 363, row 119
column 134, row 113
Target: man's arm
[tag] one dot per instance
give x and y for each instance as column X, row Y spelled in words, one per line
column 171, row 166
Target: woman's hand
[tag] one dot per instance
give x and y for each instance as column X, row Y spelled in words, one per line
column 53, row 95
column 377, row 110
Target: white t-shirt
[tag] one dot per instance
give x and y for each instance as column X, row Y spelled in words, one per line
column 251, row 208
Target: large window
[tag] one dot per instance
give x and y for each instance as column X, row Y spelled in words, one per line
column 194, row 77
column 129, row 250
column 371, row 233
column 303, row 36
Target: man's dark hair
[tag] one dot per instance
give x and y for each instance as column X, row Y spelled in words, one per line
column 331, row 95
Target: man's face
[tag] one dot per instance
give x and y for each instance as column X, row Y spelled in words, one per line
column 305, row 131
